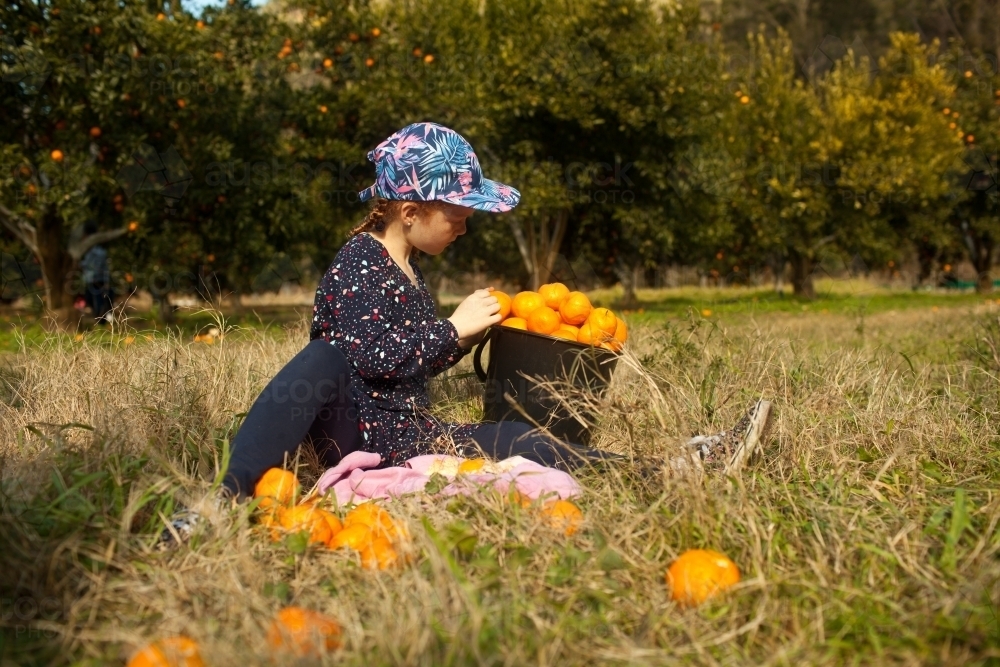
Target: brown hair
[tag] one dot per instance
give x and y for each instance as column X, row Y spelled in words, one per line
column 381, row 212
column 384, row 211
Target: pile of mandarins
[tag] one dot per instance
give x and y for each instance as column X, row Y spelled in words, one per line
column 556, row 311
column 367, row 529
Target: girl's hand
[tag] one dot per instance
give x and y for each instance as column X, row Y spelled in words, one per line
column 479, row 311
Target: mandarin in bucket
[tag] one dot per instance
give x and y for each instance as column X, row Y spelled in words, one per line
column 565, row 334
column 603, row 320
column 505, row 303
column 276, row 487
column 525, row 303
column 621, row 331
column 303, row 632
column 590, row 336
column 698, row 574
column 515, row 323
column 543, row 320
column 177, row 651
column 571, row 329
column 575, row 309
column 553, row 294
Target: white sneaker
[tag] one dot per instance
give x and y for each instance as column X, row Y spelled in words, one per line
column 728, row 452
column 185, row 522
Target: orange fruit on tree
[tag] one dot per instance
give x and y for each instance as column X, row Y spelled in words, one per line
column 562, row 515
column 553, row 294
column 575, row 309
column 505, row 303
column 698, row 574
column 303, row 632
column 378, row 554
column 543, row 320
column 276, row 487
column 621, row 331
column 603, row 320
column 355, row 536
column 177, row 651
column 95, row 132
column 565, row 333
column 305, row 517
column 525, row 303
column 590, row 336
column 515, row 323
column 57, row 155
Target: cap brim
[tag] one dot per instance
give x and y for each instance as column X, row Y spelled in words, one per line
column 367, row 193
column 490, row 196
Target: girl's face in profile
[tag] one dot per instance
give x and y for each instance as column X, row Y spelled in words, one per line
column 433, row 228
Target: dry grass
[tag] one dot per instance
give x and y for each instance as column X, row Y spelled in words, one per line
column 867, row 532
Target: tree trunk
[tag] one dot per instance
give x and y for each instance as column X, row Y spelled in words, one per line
column 980, row 246
column 57, row 267
column 802, row 280
column 539, row 247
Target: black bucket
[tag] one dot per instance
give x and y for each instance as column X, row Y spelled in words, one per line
column 517, row 357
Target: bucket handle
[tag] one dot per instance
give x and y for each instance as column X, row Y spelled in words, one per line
column 477, row 358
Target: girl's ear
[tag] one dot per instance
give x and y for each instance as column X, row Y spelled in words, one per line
column 409, row 212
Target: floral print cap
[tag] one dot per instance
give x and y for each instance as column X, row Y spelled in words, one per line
column 427, row 161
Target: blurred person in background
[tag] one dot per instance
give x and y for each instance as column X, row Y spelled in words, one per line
column 98, row 294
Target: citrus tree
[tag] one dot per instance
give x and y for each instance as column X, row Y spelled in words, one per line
column 970, row 118
column 170, row 131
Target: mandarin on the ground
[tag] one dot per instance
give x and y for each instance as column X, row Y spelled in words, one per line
column 355, row 536
column 333, row 522
column 377, row 519
column 305, row 517
column 543, row 320
column 378, row 554
column 515, row 323
column 470, row 466
column 525, row 303
column 698, row 574
column 562, row 515
column 553, row 294
column 603, row 320
column 575, row 309
column 276, row 487
column 303, row 632
column 177, row 651
column 505, row 302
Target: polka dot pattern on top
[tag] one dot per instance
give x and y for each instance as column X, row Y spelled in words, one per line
column 386, row 327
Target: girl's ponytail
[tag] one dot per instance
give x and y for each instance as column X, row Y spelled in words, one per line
column 376, row 218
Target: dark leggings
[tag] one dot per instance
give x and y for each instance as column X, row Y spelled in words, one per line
column 311, row 396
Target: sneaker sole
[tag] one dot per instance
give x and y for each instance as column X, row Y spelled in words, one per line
column 756, row 432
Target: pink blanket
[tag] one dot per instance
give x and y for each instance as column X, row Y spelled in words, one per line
column 353, row 480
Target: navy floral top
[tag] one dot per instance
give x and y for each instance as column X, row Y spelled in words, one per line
column 387, row 328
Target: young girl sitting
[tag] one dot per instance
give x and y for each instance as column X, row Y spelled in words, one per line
column 361, row 383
